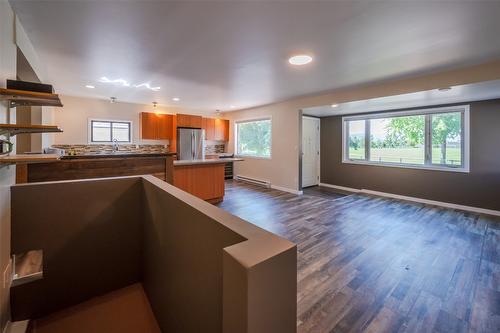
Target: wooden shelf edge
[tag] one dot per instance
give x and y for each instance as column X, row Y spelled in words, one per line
column 29, row 98
column 14, row 129
column 28, row 158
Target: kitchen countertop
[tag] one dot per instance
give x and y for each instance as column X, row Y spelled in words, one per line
column 206, row 161
column 118, row 154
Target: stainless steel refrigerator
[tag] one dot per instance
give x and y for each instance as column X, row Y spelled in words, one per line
column 190, row 144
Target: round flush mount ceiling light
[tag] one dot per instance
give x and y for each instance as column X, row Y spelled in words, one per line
column 334, row 105
column 176, row 99
column 300, row 59
column 89, row 86
column 444, row 89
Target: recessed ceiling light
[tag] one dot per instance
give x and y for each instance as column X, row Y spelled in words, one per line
column 444, row 89
column 176, row 99
column 89, row 86
column 334, row 105
column 232, row 106
column 300, row 59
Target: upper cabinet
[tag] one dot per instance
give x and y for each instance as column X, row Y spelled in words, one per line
column 186, row 120
column 149, row 126
column 216, row 129
column 222, row 129
column 156, row 126
column 165, row 126
column 209, row 127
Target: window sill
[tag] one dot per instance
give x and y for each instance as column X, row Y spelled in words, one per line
column 409, row 166
column 254, row 157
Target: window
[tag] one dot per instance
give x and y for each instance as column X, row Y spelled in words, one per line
column 356, row 139
column 253, row 138
column 430, row 139
column 109, row 130
column 398, row 140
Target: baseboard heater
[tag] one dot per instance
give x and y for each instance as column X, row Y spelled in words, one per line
column 255, row 181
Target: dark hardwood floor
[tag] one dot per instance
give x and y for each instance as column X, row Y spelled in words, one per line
column 374, row 264
column 324, row 192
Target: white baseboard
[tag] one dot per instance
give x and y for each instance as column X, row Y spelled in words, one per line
column 279, row 188
column 419, row 200
column 343, row 188
column 286, row 189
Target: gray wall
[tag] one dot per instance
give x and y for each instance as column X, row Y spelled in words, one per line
column 182, row 267
column 203, row 269
column 90, row 233
column 479, row 188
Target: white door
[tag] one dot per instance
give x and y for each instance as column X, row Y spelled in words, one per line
column 310, row 151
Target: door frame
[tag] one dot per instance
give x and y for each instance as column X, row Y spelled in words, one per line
column 318, row 163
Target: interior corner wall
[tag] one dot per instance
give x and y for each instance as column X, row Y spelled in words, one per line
column 7, row 173
column 478, row 188
column 23, row 42
column 282, row 169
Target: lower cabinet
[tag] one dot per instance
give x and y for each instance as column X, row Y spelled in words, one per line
column 206, row 181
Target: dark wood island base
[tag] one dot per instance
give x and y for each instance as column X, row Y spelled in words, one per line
column 87, row 167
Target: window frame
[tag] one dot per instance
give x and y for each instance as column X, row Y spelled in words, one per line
column 250, row 120
column 427, row 112
column 111, row 121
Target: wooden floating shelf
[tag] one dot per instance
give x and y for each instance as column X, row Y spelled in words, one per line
column 28, row 158
column 14, row 129
column 29, row 98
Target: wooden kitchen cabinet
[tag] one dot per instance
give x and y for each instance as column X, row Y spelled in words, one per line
column 149, row 128
column 165, row 126
column 209, row 127
column 206, row 181
column 186, row 120
column 216, row 129
column 221, row 130
column 156, row 126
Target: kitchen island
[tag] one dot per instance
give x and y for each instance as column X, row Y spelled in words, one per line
column 99, row 165
column 202, row 178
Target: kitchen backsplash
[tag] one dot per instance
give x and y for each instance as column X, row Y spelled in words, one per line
column 85, row 149
column 214, row 148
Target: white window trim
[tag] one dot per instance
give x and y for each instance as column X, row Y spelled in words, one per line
column 89, row 131
column 249, row 120
column 466, row 138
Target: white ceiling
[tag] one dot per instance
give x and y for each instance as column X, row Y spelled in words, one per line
column 458, row 94
column 214, row 54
